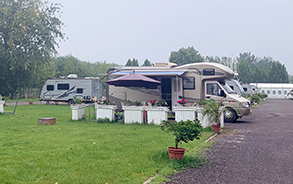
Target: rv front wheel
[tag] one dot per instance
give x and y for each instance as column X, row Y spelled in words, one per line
column 230, row 115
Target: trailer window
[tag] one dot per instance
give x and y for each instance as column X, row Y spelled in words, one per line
column 79, row 90
column 209, row 71
column 279, row 92
column 189, row 83
column 274, row 92
column 50, row 87
column 63, row 87
column 268, row 92
column 285, row 92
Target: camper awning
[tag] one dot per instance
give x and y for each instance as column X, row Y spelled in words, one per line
column 152, row 73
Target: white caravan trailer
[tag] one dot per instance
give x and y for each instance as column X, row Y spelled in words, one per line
column 274, row 90
column 64, row 90
column 193, row 82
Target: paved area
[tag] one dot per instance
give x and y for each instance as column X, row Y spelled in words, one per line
column 259, row 149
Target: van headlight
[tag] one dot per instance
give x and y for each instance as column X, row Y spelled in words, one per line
column 244, row 104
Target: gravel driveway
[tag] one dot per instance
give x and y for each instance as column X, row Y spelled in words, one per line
column 258, row 150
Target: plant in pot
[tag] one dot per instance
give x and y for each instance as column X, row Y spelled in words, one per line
column 183, row 131
column 182, row 101
column 213, row 111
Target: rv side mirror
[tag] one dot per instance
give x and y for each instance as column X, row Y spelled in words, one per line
column 223, row 93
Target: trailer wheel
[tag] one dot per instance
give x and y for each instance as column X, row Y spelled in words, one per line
column 70, row 102
column 230, row 115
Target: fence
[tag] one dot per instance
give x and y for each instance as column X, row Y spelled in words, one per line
column 26, row 93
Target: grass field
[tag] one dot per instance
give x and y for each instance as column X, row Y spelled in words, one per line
column 85, row 151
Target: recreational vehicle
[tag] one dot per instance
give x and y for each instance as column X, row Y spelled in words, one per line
column 65, row 89
column 236, row 86
column 193, row 82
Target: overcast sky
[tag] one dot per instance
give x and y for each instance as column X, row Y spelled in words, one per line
column 118, row 30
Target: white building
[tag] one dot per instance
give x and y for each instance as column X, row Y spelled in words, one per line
column 274, row 90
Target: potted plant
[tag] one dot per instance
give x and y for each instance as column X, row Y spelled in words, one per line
column 158, row 112
column 77, row 109
column 213, row 111
column 183, row 131
column 105, row 109
column 182, row 101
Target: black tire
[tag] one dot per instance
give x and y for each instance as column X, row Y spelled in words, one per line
column 230, row 115
column 70, row 102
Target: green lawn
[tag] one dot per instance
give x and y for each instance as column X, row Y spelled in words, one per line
column 84, row 151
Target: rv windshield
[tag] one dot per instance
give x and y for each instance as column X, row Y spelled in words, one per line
column 227, row 88
column 239, row 86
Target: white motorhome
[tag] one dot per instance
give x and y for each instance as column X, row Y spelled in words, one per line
column 236, row 86
column 65, row 89
column 193, row 82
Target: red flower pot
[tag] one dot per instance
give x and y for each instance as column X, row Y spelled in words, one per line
column 176, row 154
column 216, row 128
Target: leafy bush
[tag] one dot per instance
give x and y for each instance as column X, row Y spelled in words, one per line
column 183, row 130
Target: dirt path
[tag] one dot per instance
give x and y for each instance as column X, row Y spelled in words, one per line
column 258, row 150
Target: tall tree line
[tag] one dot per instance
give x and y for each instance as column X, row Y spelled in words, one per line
column 251, row 69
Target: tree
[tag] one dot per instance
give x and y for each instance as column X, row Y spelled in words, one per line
column 147, row 63
column 129, row 63
column 185, row 56
column 28, row 33
column 133, row 62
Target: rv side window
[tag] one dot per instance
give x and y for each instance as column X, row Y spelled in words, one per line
column 209, row 71
column 213, row 89
column 268, row 92
column 79, row 90
column 274, row 92
column 63, row 86
column 279, row 92
column 245, row 89
column 263, row 91
column 232, row 87
column 285, row 92
column 189, row 83
column 50, row 87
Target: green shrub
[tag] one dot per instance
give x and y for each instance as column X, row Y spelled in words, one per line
column 183, row 130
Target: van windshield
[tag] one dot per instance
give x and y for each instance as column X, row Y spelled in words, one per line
column 227, row 88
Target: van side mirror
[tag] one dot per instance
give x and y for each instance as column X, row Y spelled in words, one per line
column 223, row 93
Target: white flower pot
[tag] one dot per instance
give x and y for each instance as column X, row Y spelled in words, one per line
column 106, row 111
column 2, row 106
column 185, row 113
column 77, row 111
column 204, row 120
column 157, row 114
column 133, row 114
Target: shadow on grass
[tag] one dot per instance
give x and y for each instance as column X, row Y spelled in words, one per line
column 188, row 161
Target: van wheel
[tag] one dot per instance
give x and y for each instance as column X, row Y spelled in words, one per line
column 70, row 102
column 230, row 115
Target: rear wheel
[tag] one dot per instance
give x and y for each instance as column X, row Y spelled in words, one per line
column 230, row 115
column 70, row 102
